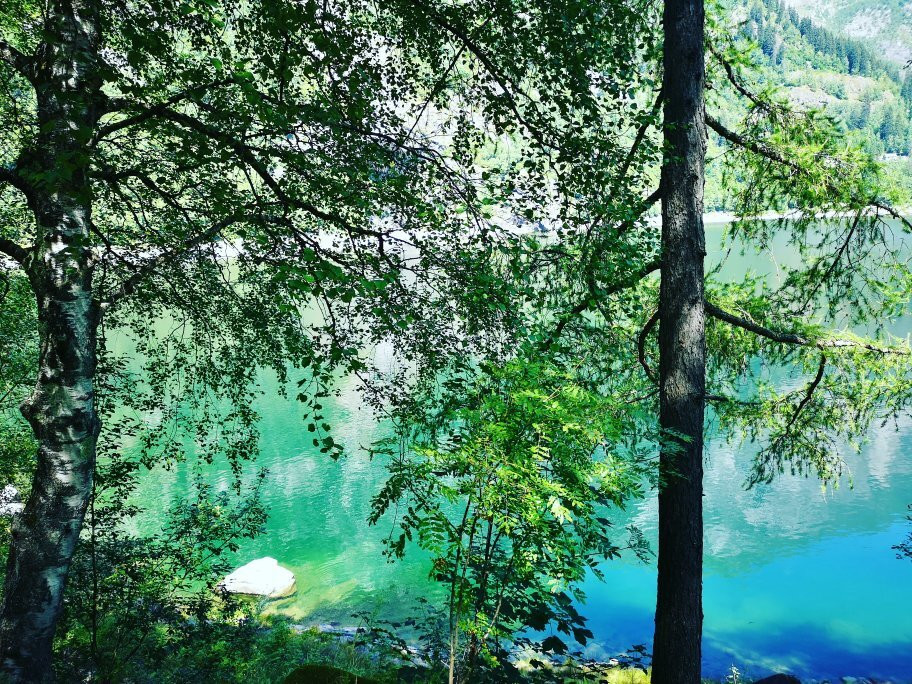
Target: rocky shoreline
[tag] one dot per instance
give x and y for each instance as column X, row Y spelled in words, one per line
column 266, row 578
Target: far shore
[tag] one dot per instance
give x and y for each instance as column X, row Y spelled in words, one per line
column 715, row 217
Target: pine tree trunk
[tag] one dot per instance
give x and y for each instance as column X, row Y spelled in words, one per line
column 682, row 347
column 61, row 409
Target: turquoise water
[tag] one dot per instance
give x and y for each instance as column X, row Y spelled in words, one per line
column 798, row 578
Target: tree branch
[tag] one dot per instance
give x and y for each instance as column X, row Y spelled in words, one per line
column 12, row 250
column 129, row 286
column 774, row 155
column 8, row 175
column 768, row 152
column 834, row 263
column 641, row 345
column 489, row 66
column 757, row 329
column 249, row 158
column 750, row 145
column 794, row 338
column 641, row 133
column 596, row 295
column 736, row 82
column 809, row 393
column 564, row 321
column 149, row 112
column 22, row 63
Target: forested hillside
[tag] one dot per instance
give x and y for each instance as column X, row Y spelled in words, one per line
column 885, row 25
column 846, row 77
column 816, row 67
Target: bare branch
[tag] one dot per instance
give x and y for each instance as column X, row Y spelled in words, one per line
column 652, row 198
column 641, row 133
column 809, row 393
column 641, row 345
column 835, row 262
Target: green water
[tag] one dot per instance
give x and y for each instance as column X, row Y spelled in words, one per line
column 798, row 578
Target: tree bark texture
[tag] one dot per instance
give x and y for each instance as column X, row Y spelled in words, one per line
column 682, row 349
column 61, row 409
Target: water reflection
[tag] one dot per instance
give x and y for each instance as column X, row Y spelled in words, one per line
column 798, row 577
column 796, row 574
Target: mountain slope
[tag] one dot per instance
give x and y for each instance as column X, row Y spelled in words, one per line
column 884, row 24
column 846, row 77
column 821, row 68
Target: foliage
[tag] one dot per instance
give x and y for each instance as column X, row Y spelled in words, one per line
column 256, row 649
column 904, row 549
column 287, row 186
column 283, row 186
column 587, row 301
column 146, row 608
column 346, row 183
column 827, row 313
column 767, row 18
column 134, row 602
column 17, row 367
column 508, row 490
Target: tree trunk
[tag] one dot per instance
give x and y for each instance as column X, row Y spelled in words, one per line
column 61, row 409
column 682, row 348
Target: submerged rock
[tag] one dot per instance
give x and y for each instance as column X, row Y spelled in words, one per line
column 10, row 501
column 262, row 577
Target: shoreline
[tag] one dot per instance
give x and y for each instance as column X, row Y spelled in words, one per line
column 717, row 217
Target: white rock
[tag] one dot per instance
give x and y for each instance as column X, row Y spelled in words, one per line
column 262, row 577
column 10, row 501
column 10, row 509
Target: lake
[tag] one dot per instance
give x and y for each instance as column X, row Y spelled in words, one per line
column 798, row 578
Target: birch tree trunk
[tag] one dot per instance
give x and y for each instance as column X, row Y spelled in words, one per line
column 61, row 409
column 682, row 349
